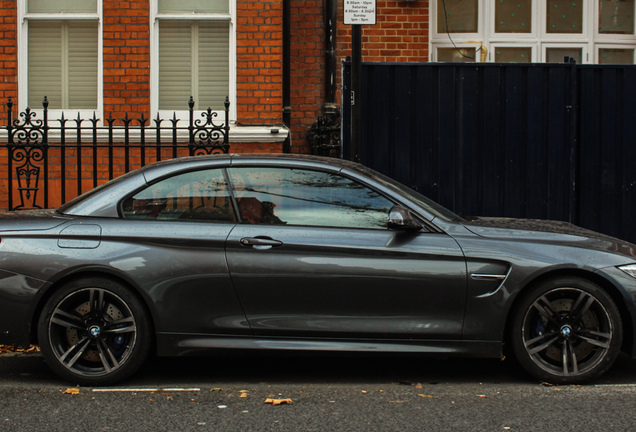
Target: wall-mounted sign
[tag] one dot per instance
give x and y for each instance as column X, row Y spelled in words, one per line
column 358, row 12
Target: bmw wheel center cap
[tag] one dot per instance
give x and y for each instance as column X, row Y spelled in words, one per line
column 566, row 331
column 95, row 331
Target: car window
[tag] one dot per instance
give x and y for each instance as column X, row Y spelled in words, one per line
column 198, row 195
column 304, row 197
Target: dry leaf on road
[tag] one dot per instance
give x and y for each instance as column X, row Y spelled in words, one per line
column 279, row 401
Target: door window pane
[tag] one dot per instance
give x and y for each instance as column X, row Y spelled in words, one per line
column 616, row 16
column 461, row 55
column 457, row 16
column 615, row 56
column 564, row 16
column 195, row 196
column 513, row 55
column 300, row 197
column 513, row 16
column 558, row 55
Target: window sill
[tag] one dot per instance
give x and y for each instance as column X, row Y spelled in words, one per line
column 238, row 134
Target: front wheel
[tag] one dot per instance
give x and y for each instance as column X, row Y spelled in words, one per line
column 94, row 331
column 566, row 330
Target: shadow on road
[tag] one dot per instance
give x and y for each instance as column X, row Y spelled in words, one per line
column 230, row 368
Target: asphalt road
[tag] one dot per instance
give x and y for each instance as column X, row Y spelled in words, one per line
column 328, row 393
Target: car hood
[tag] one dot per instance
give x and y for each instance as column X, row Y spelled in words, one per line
column 26, row 220
column 548, row 231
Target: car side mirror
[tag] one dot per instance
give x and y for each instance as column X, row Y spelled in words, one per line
column 402, row 219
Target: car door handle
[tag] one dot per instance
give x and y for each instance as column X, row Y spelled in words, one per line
column 260, row 242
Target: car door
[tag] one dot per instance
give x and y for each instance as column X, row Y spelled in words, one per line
column 313, row 257
column 171, row 241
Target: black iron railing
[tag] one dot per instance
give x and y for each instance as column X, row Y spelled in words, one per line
column 63, row 158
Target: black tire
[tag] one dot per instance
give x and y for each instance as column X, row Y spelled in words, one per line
column 566, row 331
column 94, row 331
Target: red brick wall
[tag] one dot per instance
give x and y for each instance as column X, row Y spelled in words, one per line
column 126, row 32
column 8, row 51
column 259, row 61
column 8, row 78
column 400, row 34
column 307, row 52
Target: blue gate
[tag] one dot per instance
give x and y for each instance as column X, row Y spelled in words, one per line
column 545, row 141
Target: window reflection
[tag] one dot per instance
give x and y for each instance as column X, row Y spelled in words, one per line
column 301, row 197
column 197, row 195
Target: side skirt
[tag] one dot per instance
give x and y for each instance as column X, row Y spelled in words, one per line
column 171, row 344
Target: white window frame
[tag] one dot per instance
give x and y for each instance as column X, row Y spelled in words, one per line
column 183, row 114
column 465, row 36
column 584, row 36
column 506, row 37
column 602, row 38
column 584, row 47
column 494, row 46
column 23, row 61
column 590, row 40
column 477, row 47
column 599, row 46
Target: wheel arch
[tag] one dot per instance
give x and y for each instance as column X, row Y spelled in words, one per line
column 88, row 273
column 612, row 290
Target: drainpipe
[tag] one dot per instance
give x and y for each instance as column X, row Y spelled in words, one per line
column 331, row 21
column 287, row 73
column 324, row 134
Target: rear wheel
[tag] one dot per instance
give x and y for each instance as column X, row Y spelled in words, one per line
column 94, row 331
column 567, row 330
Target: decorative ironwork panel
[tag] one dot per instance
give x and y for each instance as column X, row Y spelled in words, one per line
column 27, row 145
column 324, row 135
column 207, row 137
column 83, row 161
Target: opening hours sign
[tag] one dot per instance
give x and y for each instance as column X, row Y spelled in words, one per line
column 358, row 12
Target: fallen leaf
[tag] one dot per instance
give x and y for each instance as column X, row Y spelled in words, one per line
column 482, row 396
column 243, row 395
column 73, row 391
column 428, row 396
column 279, row 401
column 364, row 391
column 418, row 386
column 244, row 391
column 10, row 348
column 547, row 384
column 216, row 389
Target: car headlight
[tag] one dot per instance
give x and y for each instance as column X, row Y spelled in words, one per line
column 630, row 269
